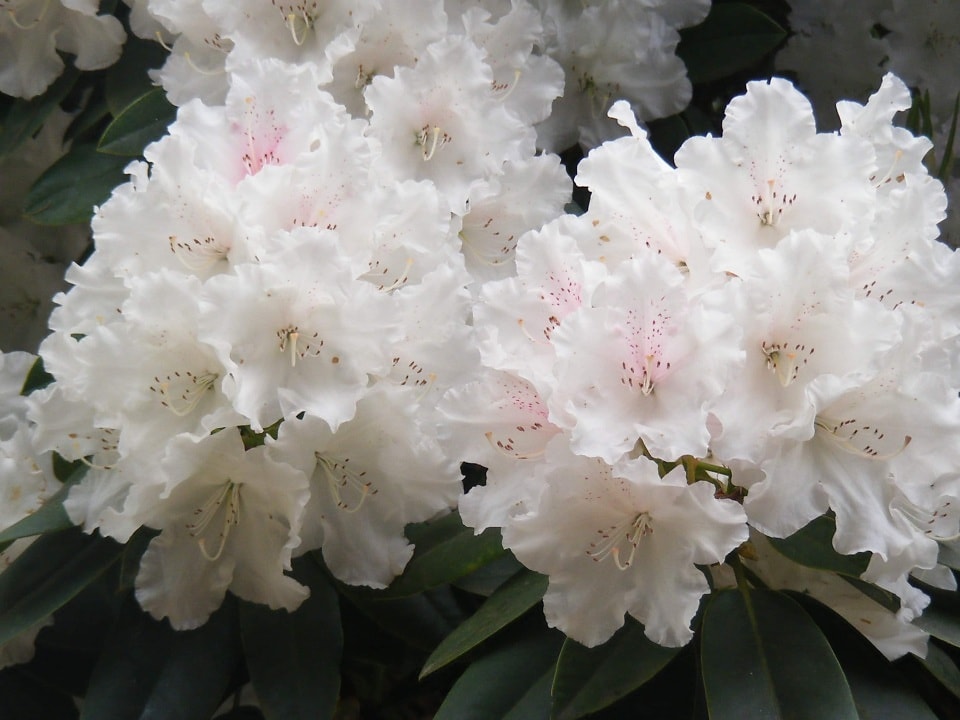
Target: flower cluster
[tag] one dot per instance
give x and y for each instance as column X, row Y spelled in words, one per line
column 347, row 268
column 595, row 52
column 771, row 321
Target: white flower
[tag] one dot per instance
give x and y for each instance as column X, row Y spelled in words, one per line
column 623, row 540
column 378, row 472
column 771, row 173
column 32, row 31
column 229, row 519
column 442, row 121
column 642, row 362
column 297, row 333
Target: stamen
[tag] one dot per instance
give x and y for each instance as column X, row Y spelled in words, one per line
column 202, row 71
column 888, row 176
column 188, row 390
column 509, row 87
column 611, row 542
column 508, row 448
column 427, row 155
column 344, row 481
column 229, row 494
column 833, row 428
column 298, row 31
column 12, row 12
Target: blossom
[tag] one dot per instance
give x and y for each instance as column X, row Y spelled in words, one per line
column 32, row 31
column 228, row 519
column 620, row 539
column 369, row 478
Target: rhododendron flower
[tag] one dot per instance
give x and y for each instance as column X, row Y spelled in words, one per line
column 621, row 539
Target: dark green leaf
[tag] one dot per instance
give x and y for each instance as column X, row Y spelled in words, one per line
column 485, row 581
column 764, row 658
column 590, row 679
column 497, row 684
column 942, row 667
column 942, row 623
column 812, row 546
column 535, row 702
column 144, row 120
column 67, row 192
column 421, row 620
column 515, row 597
column 51, row 571
column 152, row 672
column 26, row 117
column 23, row 698
column 879, row 691
column 457, row 554
column 950, row 555
column 37, row 379
column 945, row 170
column 128, row 78
column 733, row 37
column 294, row 658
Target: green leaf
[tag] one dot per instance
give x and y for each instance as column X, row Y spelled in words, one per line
column 458, row 553
column 812, row 546
column 733, row 37
column 137, row 125
column 942, row 667
column 23, row 698
column 37, row 378
column 879, row 691
column 26, row 117
column 70, row 188
column 950, row 554
column 590, row 679
column 50, row 572
column 152, row 672
column 945, row 170
column 51, row 516
column 763, row 657
column 942, row 623
column 128, row 78
column 422, row 620
column 294, row 658
column 499, row 683
column 513, row 599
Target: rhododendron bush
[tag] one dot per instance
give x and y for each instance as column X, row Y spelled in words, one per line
column 479, row 359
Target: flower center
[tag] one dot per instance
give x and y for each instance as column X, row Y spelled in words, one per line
column 349, row 488
column 771, row 204
column 225, row 499
column 621, row 541
column 786, row 360
column 299, row 344
column 430, row 139
column 181, row 392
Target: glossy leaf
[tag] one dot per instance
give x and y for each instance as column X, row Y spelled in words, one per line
column 590, row 679
column 294, row 658
column 150, row 671
column 146, row 119
column 763, row 657
column 939, row 664
column 129, row 77
column 812, row 546
column 513, row 599
column 37, row 378
column 498, row 684
column 69, row 189
column 421, row 620
column 51, row 516
column 26, row 117
column 50, row 572
column 879, row 691
column 733, row 37
column 458, row 553
column 942, row 623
